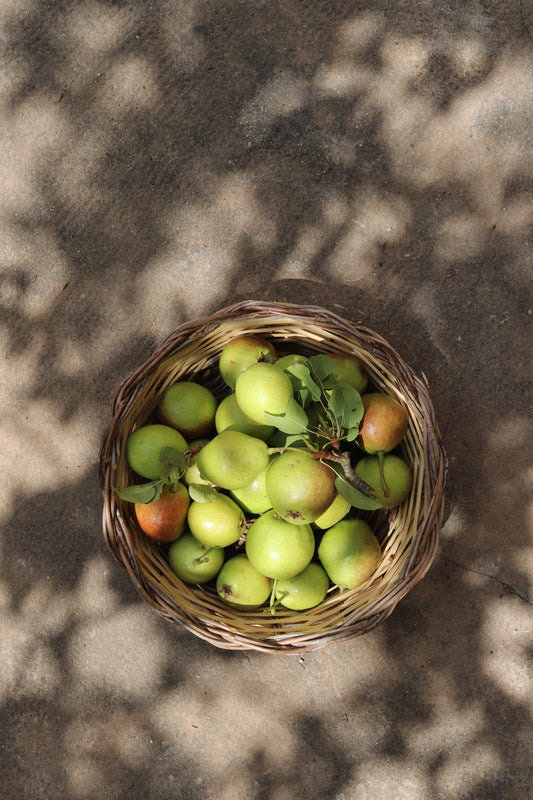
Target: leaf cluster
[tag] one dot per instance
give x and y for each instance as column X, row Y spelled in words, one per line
column 337, row 408
column 172, row 467
column 324, row 415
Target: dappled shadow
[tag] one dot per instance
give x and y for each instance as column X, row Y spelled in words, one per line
column 164, row 161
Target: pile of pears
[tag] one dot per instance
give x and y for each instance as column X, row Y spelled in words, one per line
column 257, row 492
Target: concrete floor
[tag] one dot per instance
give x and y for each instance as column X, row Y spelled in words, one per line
column 161, row 160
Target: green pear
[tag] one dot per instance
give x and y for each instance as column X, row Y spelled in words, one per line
column 192, row 473
column 253, row 498
column 334, row 513
column 240, row 353
column 305, row 590
column 350, row 553
column 193, row 561
column 350, row 370
column 232, row 459
column 391, row 480
column 300, row 487
column 229, row 416
column 218, row 523
column 188, row 407
column 241, row 586
column 143, row 448
column 290, row 359
column 278, row 549
column 263, row 387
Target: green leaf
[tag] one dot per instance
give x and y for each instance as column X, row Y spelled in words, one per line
column 294, row 420
column 172, row 465
column 280, row 440
column 329, row 383
column 336, row 406
column 346, row 404
column 322, row 365
column 303, row 378
column 301, row 396
column 356, row 498
column 353, row 405
column 202, row 493
column 352, row 434
column 141, row 493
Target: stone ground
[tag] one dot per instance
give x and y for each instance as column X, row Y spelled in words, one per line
column 161, row 160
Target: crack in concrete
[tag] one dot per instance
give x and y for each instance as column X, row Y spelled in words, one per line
column 506, row 586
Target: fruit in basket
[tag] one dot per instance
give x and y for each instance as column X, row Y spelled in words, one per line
column 292, row 358
column 384, row 423
column 278, row 549
column 350, row 370
column 218, row 523
column 389, row 475
column 334, row 513
column 305, row 590
column 253, row 498
column 193, row 561
column 241, row 586
column 300, row 487
column 144, row 446
column 232, row 459
column 240, row 353
column 188, row 407
column 261, row 388
column 164, row 519
column 192, row 473
column 229, row 416
column 349, row 552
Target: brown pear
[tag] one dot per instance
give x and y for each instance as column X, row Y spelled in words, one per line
column 384, row 423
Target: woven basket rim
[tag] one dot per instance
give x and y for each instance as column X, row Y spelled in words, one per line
column 409, row 534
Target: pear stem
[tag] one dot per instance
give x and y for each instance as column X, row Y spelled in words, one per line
column 381, row 455
column 204, row 556
column 273, row 603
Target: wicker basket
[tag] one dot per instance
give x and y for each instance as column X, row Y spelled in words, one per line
column 408, row 534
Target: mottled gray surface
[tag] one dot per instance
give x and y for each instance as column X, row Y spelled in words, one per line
column 161, row 160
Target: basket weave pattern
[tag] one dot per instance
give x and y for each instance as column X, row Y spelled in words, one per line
column 408, row 534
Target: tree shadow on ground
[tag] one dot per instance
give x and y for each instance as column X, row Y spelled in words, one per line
column 167, row 162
